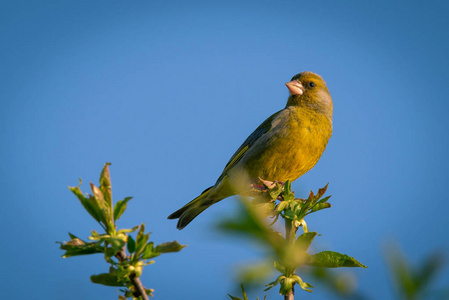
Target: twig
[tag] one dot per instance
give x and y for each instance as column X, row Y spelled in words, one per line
column 290, row 295
column 140, row 290
column 290, row 234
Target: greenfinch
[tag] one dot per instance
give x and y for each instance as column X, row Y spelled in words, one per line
column 284, row 147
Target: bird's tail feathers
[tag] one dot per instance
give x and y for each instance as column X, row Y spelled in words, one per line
column 192, row 209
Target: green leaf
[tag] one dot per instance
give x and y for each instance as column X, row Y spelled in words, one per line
column 274, row 283
column 320, row 206
column 304, row 240
column 101, row 206
column 88, row 205
column 288, row 214
column 131, row 244
column 128, row 293
column 302, row 284
column 331, row 259
column 295, row 205
column 125, row 230
column 115, row 242
column 95, row 234
column 281, row 206
column 287, row 187
column 275, row 191
column 149, row 292
column 141, row 240
column 108, row 253
column 107, row 279
column 286, row 285
column 279, row 266
column 120, row 208
column 105, row 185
column 305, row 207
column 98, row 195
column 77, row 247
column 148, row 251
column 245, row 297
column 324, row 199
column 72, row 236
column 169, row 247
column 288, row 194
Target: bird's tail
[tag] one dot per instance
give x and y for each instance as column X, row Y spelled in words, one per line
column 192, row 209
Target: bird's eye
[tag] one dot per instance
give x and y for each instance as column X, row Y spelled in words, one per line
column 312, row 84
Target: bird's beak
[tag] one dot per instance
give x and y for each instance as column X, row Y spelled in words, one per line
column 295, row 87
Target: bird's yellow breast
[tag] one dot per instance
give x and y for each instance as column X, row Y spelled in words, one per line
column 291, row 148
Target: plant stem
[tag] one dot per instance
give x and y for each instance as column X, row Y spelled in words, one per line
column 290, row 236
column 290, row 231
column 140, row 290
column 290, row 295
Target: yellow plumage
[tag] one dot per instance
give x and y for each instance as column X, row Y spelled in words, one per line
column 284, row 147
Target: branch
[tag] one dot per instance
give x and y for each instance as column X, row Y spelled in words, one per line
column 139, row 289
column 290, row 236
column 290, row 295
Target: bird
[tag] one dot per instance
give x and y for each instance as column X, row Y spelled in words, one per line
column 284, row 147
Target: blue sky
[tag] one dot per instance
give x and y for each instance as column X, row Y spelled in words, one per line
column 168, row 90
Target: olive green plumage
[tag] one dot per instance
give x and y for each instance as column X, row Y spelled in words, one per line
column 284, row 147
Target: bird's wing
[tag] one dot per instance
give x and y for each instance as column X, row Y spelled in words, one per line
column 263, row 128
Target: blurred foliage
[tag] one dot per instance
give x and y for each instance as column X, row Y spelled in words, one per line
column 128, row 250
column 245, row 297
column 340, row 285
column 413, row 282
column 125, row 267
column 288, row 252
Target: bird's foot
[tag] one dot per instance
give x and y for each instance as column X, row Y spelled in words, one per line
column 270, row 184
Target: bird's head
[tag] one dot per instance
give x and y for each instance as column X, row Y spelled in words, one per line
column 310, row 90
